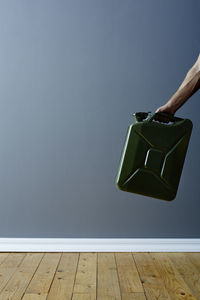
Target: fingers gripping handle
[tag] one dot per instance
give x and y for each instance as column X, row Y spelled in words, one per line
column 159, row 116
column 164, row 117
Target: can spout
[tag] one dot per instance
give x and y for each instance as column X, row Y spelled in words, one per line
column 140, row 116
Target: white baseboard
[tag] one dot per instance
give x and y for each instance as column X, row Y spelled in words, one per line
column 98, row 245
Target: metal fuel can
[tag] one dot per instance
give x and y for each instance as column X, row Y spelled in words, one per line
column 153, row 155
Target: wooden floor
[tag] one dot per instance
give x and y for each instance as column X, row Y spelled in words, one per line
column 99, row 275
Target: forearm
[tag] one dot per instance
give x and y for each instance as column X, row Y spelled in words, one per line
column 191, row 73
column 189, row 86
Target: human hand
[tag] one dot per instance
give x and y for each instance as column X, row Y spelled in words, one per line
column 166, row 109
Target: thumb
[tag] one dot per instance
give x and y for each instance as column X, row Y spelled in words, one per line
column 158, row 110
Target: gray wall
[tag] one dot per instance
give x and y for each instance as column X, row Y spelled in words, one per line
column 71, row 75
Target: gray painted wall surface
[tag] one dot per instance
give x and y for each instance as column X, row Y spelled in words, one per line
column 71, row 75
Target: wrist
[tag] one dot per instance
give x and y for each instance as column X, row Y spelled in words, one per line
column 171, row 107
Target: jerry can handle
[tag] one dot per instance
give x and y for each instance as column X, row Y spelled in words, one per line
column 159, row 116
column 163, row 117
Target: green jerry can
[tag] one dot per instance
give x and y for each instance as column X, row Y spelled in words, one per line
column 153, row 155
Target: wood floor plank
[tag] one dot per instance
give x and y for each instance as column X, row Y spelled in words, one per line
column 82, row 297
column 129, row 279
column 107, row 279
column 100, row 276
column 41, row 281
column 34, row 297
column 133, row 296
column 188, row 271
column 85, row 281
column 174, row 283
column 16, row 286
column 63, row 282
column 9, row 266
column 194, row 257
column 3, row 256
column 150, row 277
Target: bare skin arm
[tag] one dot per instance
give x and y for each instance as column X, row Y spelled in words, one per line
column 189, row 86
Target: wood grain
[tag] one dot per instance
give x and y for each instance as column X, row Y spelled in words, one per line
column 100, row 276
column 173, row 281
